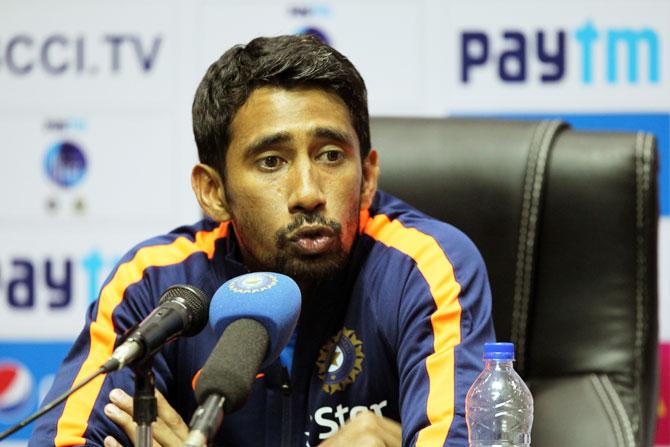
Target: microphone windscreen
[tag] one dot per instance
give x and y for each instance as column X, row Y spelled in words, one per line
column 230, row 370
column 272, row 299
column 194, row 300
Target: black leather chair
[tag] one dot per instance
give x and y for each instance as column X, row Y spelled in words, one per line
column 567, row 224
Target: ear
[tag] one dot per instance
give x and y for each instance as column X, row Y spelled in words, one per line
column 209, row 190
column 370, row 175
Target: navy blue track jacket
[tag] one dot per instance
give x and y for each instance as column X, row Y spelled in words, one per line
column 400, row 333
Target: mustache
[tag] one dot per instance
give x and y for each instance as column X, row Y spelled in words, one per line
column 302, row 219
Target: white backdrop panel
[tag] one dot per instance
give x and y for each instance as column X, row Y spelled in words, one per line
column 589, row 29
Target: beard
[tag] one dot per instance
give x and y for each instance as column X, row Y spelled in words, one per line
column 310, row 268
column 285, row 259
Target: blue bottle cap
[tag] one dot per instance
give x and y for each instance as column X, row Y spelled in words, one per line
column 498, row 351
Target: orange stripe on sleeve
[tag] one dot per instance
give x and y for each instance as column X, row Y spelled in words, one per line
column 74, row 420
column 446, row 320
column 195, row 378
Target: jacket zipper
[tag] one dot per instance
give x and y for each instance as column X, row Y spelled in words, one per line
column 286, row 427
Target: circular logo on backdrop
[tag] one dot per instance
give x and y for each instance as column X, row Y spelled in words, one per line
column 253, row 282
column 16, row 384
column 316, row 32
column 65, row 163
column 340, row 361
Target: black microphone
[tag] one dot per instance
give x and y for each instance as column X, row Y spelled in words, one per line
column 182, row 310
column 257, row 314
column 227, row 377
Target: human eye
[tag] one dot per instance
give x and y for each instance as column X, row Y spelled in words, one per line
column 331, row 155
column 270, row 162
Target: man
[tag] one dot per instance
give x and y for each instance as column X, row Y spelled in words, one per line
column 395, row 305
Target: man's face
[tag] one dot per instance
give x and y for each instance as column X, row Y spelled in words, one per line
column 294, row 182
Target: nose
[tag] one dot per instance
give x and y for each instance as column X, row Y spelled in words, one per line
column 306, row 192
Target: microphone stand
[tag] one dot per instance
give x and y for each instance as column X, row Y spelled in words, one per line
column 144, row 402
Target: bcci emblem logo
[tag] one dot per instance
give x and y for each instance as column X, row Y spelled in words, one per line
column 340, row 361
column 253, row 282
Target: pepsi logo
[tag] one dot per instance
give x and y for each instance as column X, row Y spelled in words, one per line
column 16, row 385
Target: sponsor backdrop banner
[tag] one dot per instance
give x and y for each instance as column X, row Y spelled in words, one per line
column 97, row 147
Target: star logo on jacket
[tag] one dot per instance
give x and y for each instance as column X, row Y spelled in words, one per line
column 340, row 361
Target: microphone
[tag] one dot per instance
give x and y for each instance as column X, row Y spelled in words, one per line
column 182, row 310
column 255, row 314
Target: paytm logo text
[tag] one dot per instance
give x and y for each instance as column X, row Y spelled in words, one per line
column 59, row 54
column 50, row 282
column 629, row 55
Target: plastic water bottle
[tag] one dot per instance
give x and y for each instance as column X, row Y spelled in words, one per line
column 499, row 406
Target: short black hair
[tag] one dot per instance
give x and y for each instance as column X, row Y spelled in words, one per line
column 284, row 61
